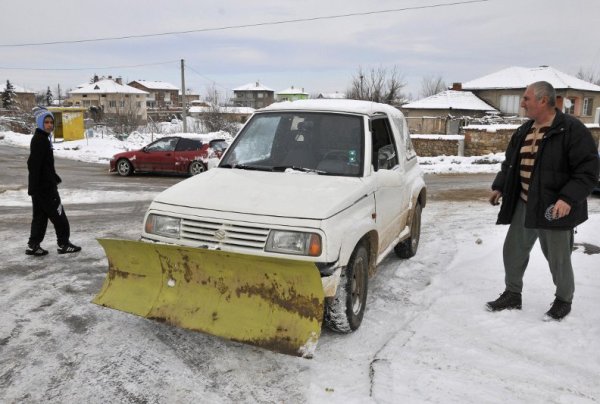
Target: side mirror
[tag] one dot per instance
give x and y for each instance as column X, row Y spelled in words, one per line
column 385, row 156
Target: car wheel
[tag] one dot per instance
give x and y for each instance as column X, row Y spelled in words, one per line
column 124, row 167
column 344, row 312
column 408, row 248
column 196, row 167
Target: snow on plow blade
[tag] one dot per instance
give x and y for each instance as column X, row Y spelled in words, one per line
column 272, row 303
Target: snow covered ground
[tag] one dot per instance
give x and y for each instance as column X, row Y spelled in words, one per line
column 426, row 336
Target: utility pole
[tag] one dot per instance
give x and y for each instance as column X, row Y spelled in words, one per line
column 183, row 111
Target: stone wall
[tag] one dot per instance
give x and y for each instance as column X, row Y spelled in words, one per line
column 478, row 141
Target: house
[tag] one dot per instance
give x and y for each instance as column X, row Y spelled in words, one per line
column 292, row 94
column 253, row 95
column 332, row 96
column 161, row 95
column 504, row 89
column 190, row 96
column 111, row 99
column 25, row 98
column 443, row 112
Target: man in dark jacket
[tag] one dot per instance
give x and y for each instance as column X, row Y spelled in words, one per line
column 550, row 168
column 43, row 188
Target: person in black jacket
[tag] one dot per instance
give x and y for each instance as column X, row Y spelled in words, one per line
column 43, row 188
column 550, row 168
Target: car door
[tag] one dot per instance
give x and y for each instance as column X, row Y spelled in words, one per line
column 158, row 156
column 391, row 195
column 186, row 151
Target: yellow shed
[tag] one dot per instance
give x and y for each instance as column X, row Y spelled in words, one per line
column 68, row 123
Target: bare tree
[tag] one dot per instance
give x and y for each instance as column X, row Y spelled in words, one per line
column 589, row 75
column 214, row 117
column 431, row 85
column 379, row 85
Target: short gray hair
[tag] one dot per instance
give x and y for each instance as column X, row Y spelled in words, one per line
column 544, row 89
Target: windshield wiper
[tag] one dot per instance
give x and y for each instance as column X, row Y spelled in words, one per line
column 297, row 168
column 246, row 167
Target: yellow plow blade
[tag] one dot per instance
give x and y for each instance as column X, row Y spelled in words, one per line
column 272, row 303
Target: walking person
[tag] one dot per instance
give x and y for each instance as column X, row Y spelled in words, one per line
column 43, row 188
column 550, row 168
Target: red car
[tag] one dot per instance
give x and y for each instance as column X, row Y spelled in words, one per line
column 168, row 155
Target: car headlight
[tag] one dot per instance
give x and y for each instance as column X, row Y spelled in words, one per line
column 163, row 225
column 294, row 242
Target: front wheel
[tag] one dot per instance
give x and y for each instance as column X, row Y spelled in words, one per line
column 124, row 167
column 344, row 312
column 408, row 248
column 196, row 167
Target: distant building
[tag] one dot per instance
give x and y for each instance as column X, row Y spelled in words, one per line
column 25, row 98
column 253, row 95
column 161, row 95
column 442, row 112
column 504, row 89
column 292, row 94
column 112, row 98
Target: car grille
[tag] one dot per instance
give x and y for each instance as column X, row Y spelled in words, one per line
column 215, row 234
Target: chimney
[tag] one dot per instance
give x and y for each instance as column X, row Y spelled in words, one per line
column 119, row 80
column 257, row 84
column 457, row 86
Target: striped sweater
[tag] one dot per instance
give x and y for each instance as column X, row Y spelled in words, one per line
column 528, row 153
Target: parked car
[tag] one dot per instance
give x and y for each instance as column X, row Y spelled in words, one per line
column 173, row 154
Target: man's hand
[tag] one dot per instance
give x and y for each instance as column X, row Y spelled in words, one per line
column 561, row 209
column 495, row 197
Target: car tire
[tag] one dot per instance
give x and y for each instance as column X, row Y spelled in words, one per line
column 124, row 167
column 344, row 312
column 408, row 248
column 196, row 167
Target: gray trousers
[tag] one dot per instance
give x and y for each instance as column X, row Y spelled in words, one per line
column 557, row 246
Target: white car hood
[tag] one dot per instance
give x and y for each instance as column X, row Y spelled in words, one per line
column 282, row 194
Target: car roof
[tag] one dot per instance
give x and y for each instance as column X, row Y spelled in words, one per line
column 330, row 105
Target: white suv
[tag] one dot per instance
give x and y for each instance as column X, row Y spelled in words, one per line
column 333, row 182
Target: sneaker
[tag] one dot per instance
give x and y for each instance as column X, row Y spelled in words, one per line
column 558, row 311
column 35, row 250
column 507, row 300
column 68, row 248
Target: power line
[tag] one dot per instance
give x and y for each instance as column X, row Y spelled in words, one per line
column 260, row 24
column 87, row 68
column 206, row 78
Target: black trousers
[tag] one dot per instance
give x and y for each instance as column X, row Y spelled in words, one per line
column 48, row 207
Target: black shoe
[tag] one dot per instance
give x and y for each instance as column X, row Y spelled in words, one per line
column 68, row 248
column 558, row 311
column 35, row 250
column 507, row 300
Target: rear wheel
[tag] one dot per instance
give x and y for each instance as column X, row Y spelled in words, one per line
column 344, row 312
column 124, row 167
column 408, row 248
column 196, row 167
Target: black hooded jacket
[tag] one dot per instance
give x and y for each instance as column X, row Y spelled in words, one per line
column 43, row 179
column 566, row 167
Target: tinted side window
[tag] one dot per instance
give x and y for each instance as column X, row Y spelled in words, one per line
column 188, row 145
column 163, row 145
column 385, row 154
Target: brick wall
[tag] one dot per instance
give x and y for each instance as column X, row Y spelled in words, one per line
column 431, row 146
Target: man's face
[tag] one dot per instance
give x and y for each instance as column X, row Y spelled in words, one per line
column 532, row 106
column 48, row 124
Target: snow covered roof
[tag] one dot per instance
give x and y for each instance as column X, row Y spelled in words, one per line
column 521, row 77
column 451, row 99
column 17, row 89
column 107, row 86
column 292, row 91
column 253, row 87
column 156, row 85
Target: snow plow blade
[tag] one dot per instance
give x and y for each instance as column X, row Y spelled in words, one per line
column 272, row 303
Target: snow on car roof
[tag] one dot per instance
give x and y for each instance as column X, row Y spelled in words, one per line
column 351, row 106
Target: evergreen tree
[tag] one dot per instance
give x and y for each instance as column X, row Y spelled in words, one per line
column 9, row 97
column 49, row 96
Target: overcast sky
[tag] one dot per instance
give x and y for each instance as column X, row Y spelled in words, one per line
column 457, row 42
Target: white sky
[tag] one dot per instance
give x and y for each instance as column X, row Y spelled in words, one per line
column 459, row 43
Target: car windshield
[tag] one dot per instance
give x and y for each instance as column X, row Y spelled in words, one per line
column 322, row 143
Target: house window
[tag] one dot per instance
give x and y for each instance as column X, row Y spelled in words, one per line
column 122, row 104
column 260, row 95
column 84, row 95
column 112, row 104
column 87, row 103
column 588, row 105
column 138, row 104
column 510, row 104
column 570, row 106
